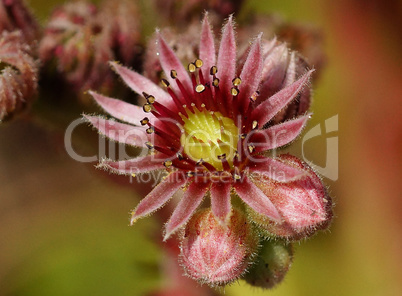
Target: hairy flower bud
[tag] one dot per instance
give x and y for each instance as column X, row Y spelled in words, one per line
column 181, row 11
column 15, row 15
column 303, row 203
column 271, row 265
column 19, row 77
column 215, row 253
column 123, row 24
column 81, row 40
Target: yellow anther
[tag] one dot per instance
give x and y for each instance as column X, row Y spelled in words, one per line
column 147, row 108
column 165, row 83
column 236, row 81
column 151, row 99
column 191, row 67
column 173, row 74
column 213, row 70
column 200, row 88
column 150, row 130
column 198, row 63
column 144, row 121
column 168, row 163
column 254, row 124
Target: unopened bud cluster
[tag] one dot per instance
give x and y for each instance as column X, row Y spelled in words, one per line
column 81, row 38
column 18, row 67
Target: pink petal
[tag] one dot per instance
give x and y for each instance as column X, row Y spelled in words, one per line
column 207, row 46
column 185, row 209
column 251, row 73
column 169, row 61
column 159, row 195
column 276, row 170
column 134, row 166
column 290, row 76
column 256, row 199
column 119, row 132
column 121, row 110
column 227, row 57
column 220, row 200
column 267, row 110
column 278, row 135
column 140, row 84
column 276, row 62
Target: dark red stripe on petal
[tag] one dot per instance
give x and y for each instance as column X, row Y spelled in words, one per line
column 192, row 198
column 159, row 195
column 256, row 199
column 269, row 108
column 251, row 74
column 278, row 135
column 220, row 199
column 227, row 57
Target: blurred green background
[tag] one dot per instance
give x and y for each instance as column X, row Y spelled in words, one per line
column 64, row 226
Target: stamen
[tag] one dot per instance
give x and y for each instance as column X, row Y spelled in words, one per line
column 192, row 67
column 236, row 81
column 165, row 83
column 147, row 108
column 222, row 156
column 234, row 91
column 236, row 177
column 254, row 124
column 183, row 91
column 213, row 70
column 149, row 145
column 198, row 63
column 168, row 163
column 151, row 99
column 254, row 96
column 150, row 130
column 200, row 88
column 215, row 82
column 144, row 121
column 251, row 148
column 201, row 77
column 173, row 74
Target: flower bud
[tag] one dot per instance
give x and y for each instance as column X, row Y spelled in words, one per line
column 81, row 39
column 15, row 15
column 304, row 203
column 214, row 253
column 181, row 11
column 271, row 265
column 282, row 67
column 19, row 78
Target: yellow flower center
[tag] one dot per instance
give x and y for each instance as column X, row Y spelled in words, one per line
column 209, row 137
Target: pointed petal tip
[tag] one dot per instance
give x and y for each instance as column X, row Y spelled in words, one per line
column 166, row 236
column 133, row 218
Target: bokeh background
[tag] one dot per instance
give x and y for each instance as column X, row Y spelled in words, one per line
column 64, row 225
